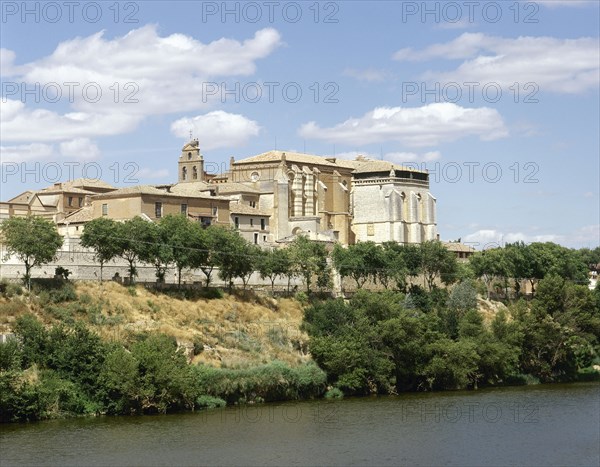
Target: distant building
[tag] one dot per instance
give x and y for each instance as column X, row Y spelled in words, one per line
column 269, row 198
column 463, row 252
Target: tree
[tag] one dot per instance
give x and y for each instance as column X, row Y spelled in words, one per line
column 308, row 258
column 206, row 246
column 273, row 264
column 129, row 238
column 491, row 263
column 156, row 250
column 394, row 264
column 99, row 236
column 235, row 257
column 437, row 262
column 362, row 261
column 182, row 238
column 34, row 240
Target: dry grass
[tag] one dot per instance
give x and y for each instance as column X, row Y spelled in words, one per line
column 235, row 333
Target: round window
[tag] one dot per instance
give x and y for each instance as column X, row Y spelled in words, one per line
column 254, row 176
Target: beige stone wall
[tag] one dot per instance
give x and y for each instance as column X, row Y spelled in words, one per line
column 401, row 211
column 249, row 225
column 118, row 208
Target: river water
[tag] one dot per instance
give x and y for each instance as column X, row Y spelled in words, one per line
column 534, row 425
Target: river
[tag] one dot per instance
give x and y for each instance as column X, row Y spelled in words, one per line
column 533, row 425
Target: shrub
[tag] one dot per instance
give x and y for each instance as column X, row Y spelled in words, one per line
column 210, row 402
column 334, row 393
column 271, row 382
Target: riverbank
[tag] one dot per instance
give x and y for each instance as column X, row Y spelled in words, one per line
column 92, row 348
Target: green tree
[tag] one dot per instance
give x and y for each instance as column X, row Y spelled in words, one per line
column 184, row 240
column 155, row 249
column 273, row 264
column 129, row 239
column 99, row 235
column 395, row 266
column 235, row 257
column 437, row 262
column 309, row 258
column 165, row 379
column 361, row 261
column 207, row 246
column 34, row 240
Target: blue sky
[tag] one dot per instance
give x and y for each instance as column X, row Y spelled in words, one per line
column 499, row 100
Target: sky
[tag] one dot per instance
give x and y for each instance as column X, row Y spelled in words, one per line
column 498, row 100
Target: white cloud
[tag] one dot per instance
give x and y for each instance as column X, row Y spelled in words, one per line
column 414, row 126
column 167, row 74
column 217, row 129
column 26, row 152
column 490, row 238
column 80, row 148
column 370, row 75
column 22, row 124
column 7, row 58
column 559, row 65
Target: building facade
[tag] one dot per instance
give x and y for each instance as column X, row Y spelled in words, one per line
column 269, row 198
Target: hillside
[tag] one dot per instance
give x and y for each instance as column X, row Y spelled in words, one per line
column 233, row 331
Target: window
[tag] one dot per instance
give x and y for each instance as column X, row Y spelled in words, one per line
column 184, row 173
column 105, row 209
column 252, row 204
column 255, row 238
column 189, row 156
column 236, row 222
column 195, row 173
column 158, row 210
column 184, row 209
column 205, row 221
column 264, row 238
column 254, row 176
column 70, row 201
column 80, row 201
column 215, row 211
column 251, row 222
column 262, row 224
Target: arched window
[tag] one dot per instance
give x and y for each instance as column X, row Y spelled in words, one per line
column 189, row 156
column 194, row 172
column 184, row 173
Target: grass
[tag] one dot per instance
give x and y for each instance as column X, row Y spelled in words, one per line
column 238, row 330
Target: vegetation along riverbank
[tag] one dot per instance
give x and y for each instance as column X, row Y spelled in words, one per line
column 77, row 348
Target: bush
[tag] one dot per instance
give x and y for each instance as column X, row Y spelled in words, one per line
column 210, row 402
column 13, row 289
column 334, row 393
column 275, row 381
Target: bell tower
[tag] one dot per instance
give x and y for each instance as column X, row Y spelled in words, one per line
column 191, row 163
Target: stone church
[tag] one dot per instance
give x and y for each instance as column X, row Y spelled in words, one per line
column 337, row 199
column 269, row 198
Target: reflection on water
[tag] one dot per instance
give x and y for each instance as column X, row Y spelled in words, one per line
column 535, row 425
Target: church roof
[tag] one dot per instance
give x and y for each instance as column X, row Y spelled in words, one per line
column 234, row 187
column 153, row 190
column 244, row 209
column 372, row 165
column 84, row 214
column 190, row 188
column 297, row 157
column 87, row 182
column 358, row 165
